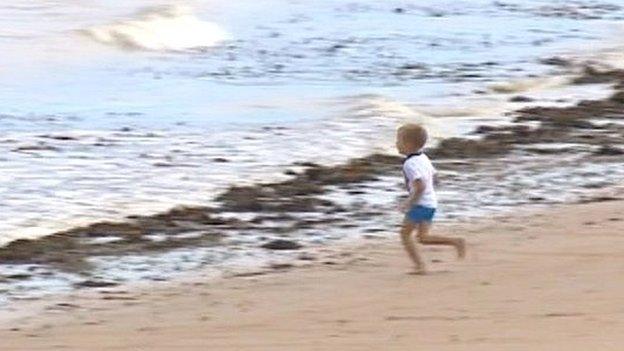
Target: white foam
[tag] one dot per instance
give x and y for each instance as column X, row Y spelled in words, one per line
column 530, row 84
column 394, row 111
column 607, row 58
column 164, row 28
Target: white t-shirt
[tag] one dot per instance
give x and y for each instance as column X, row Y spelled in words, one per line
column 418, row 166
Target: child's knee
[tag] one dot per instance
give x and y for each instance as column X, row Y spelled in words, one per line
column 407, row 229
column 422, row 236
column 406, row 233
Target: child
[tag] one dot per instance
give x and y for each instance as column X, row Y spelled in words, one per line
column 421, row 205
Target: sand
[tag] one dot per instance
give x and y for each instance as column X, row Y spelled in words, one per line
column 536, row 280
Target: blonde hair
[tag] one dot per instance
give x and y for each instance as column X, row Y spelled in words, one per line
column 413, row 134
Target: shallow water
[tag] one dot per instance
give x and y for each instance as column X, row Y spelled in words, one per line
column 128, row 109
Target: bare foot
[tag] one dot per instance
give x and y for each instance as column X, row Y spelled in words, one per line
column 461, row 249
column 418, row 271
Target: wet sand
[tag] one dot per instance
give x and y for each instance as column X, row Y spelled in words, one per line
column 538, row 280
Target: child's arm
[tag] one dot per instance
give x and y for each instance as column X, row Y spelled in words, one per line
column 419, row 188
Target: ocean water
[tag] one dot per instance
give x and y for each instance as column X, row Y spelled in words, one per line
column 111, row 109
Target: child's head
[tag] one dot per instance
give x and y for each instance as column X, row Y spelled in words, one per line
column 411, row 138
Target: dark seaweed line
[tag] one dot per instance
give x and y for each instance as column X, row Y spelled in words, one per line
column 281, row 202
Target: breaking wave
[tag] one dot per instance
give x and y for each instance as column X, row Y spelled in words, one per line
column 164, row 28
column 530, row 84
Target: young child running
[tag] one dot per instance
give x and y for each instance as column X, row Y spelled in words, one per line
column 421, row 204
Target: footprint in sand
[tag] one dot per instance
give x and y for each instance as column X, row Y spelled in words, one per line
column 562, row 314
column 427, row 318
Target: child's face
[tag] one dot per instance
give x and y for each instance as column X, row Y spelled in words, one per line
column 400, row 143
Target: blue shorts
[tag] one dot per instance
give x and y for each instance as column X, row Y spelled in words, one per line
column 419, row 213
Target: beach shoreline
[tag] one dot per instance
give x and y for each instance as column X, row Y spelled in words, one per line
column 538, row 280
column 235, row 186
column 145, row 155
column 545, row 155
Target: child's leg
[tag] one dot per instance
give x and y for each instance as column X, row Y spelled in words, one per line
column 410, row 246
column 426, row 239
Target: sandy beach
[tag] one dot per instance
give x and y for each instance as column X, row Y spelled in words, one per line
column 539, row 280
column 214, row 175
